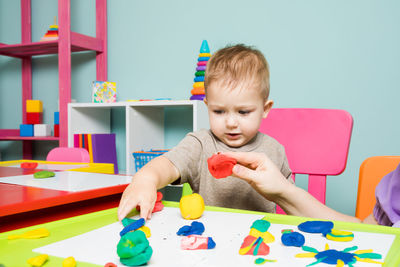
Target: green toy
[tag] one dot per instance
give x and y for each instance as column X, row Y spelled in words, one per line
column 134, row 249
column 43, row 174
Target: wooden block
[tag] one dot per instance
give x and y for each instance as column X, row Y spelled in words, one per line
column 56, row 130
column 26, row 130
column 41, row 130
column 34, row 106
column 34, row 117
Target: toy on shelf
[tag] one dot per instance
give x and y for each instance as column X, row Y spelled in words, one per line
column 198, row 91
column 57, row 124
column 101, row 147
column 104, row 92
column 34, row 120
column 52, row 33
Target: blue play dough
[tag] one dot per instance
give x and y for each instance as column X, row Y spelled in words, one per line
column 331, row 256
column 196, row 228
column 316, row 227
column 293, row 239
column 133, row 226
column 210, row 243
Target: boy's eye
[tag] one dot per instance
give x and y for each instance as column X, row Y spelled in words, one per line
column 218, row 111
column 244, row 112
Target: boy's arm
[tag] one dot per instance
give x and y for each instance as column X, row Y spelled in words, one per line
column 142, row 191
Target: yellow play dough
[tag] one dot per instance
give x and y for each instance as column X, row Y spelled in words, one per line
column 69, row 262
column 191, row 206
column 38, row 260
column 145, row 230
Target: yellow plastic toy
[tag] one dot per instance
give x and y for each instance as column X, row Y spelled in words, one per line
column 37, row 233
column 191, row 206
column 38, row 260
column 69, row 262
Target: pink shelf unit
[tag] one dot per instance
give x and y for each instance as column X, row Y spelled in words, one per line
column 67, row 43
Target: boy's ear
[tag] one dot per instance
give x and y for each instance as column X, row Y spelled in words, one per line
column 267, row 107
column 205, row 101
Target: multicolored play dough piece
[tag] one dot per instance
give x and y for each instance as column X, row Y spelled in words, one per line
column 260, row 261
column 43, row 174
column 196, row 228
column 194, row 242
column 134, row 249
column 198, row 91
column 339, row 258
column 256, row 242
column 33, row 234
column 316, row 227
column 292, row 239
column 220, row 166
column 339, row 235
column 38, row 260
column 69, row 262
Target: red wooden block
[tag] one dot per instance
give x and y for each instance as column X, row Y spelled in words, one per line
column 56, row 130
column 34, row 117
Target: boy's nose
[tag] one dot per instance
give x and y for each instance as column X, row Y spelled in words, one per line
column 231, row 121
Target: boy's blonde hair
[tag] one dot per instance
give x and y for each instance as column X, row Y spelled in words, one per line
column 238, row 65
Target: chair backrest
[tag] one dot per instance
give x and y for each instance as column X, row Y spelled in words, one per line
column 372, row 170
column 316, row 142
column 68, row 154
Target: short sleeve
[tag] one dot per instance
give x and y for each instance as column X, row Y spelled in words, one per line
column 186, row 157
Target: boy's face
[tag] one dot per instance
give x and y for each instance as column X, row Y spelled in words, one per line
column 235, row 115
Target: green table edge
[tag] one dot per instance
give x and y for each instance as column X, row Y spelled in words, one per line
column 17, row 252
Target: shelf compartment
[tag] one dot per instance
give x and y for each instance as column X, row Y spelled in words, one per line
column 79, row 42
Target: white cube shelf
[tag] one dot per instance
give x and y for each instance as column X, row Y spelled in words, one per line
column 144, row 122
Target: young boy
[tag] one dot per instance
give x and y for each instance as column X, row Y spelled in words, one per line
column 237, row 89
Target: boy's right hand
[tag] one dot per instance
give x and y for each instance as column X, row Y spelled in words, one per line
column 138, row 193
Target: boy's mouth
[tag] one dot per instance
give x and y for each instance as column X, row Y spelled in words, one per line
column 233, row 136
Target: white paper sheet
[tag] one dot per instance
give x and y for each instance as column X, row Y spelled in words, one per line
column 69, row 181
column 227, row 230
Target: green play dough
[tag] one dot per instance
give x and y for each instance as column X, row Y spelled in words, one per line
column 261, row 225
column 43, row 174
column 127, row 221
column 134, row 249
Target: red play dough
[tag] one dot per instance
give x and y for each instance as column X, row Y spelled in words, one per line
column 220, row 166
column 29, row 165
column 262, row 250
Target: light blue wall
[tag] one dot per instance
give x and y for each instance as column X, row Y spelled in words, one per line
column 323, row 54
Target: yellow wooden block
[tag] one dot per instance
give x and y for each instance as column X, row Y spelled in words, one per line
column 34, row 106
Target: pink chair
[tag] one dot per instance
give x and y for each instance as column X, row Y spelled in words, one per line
column 68, row 154
column 316, row 142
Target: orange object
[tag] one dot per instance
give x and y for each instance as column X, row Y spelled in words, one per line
column 372, row 170
column 198, row 91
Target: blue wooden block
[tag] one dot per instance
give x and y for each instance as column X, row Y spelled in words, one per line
column 26, row 129
column 57, row 117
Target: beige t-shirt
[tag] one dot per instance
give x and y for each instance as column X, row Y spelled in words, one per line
column 190, row 158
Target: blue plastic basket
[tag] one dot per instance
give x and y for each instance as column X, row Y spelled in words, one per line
column 142, row 157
